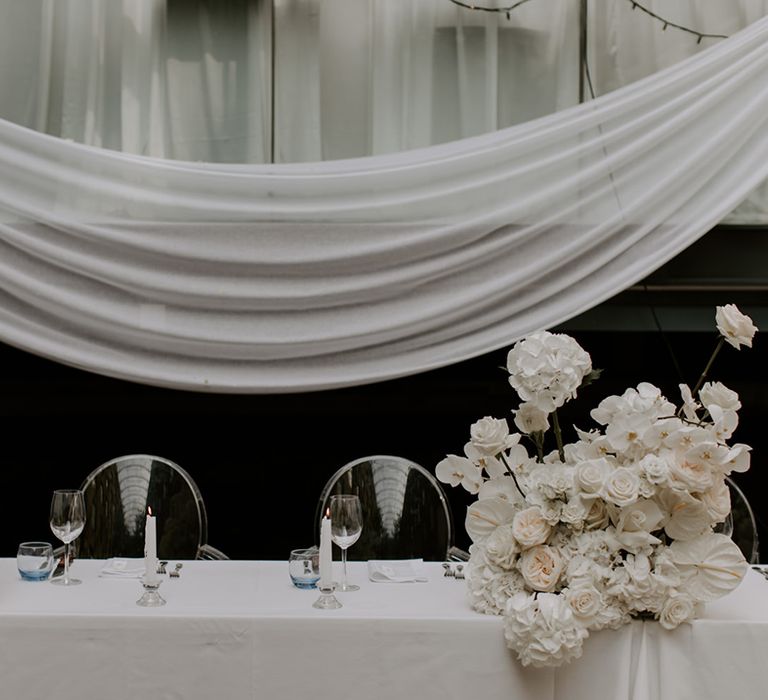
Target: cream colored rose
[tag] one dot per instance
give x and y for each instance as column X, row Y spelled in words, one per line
column 737, row 328
column 691, row 472
column 541, row 567
column 585, row 601
column 501, row 547
column 678, row 608
column 621, row 487
column 490, row 435
column 530, row 528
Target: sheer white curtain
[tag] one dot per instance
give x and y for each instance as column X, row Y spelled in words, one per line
column 291, row 277
column 626, row 45
column 377, row 76
column 186, row 80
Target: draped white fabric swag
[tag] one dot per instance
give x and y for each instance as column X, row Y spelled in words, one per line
column 249, row 278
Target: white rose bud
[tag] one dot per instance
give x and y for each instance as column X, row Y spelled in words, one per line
column 737, row 328
column 490, row 435
column 531, row 419
column 530, row 528
column 541, row 568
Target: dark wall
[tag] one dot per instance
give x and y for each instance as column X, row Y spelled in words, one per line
column 259, row 455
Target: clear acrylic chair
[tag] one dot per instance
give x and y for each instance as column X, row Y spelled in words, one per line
column 116, row 498
column 741, row 525
column 406, row 514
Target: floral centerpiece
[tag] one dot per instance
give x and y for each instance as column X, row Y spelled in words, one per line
column 616, row 525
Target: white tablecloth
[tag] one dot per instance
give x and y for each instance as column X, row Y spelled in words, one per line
column 240, row 630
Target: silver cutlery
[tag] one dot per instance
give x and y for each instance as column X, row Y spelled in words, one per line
column 161, row 567
column 175, row 573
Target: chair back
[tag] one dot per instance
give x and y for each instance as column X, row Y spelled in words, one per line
column 406, row 514
column 741, row 524
column 117, row 495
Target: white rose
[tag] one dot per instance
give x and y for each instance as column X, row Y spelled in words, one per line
column 530, row 528
column 490, row 435
column 654, row 468
column 635, row 524
column 541, row 567
column 622, row 487
column 591, row 475
column 720, row 395
column 531, row 419
column 678, row 608
column 737, row 328
column 597, row 516
column 717, row 501
column 585, row 601
column 501, row 547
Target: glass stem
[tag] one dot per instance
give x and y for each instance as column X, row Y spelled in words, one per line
column 343, row 568
column 66, row 563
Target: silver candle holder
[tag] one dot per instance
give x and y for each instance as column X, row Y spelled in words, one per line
column 151, row 597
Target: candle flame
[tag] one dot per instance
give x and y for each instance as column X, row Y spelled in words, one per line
column 149, row 510
column 328, row 512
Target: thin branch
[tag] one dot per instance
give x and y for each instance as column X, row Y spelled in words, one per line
column 506, row 9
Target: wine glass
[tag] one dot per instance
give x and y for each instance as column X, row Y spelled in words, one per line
column 67, row 522
column 346, row 525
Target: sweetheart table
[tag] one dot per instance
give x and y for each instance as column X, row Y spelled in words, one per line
column 239, row 630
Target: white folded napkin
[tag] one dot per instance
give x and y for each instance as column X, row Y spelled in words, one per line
column 397, row 571
column 123, row 568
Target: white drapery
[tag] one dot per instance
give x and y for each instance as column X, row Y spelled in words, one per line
column 293, row 277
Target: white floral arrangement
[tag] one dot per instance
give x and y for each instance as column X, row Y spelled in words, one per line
column 616, row 525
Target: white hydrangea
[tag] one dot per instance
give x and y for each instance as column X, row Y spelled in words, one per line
column 547, row 368
column 542, row 629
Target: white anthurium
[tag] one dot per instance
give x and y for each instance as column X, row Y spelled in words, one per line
column 492, row 466
column 483, row 517
column 711, row 565
column 736, row 327
column 503, row 488
column 688, row 517
column 455, row 470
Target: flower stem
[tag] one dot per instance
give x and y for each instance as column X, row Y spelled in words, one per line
column 720, row 343
column 511, row 473
column 558, row 435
